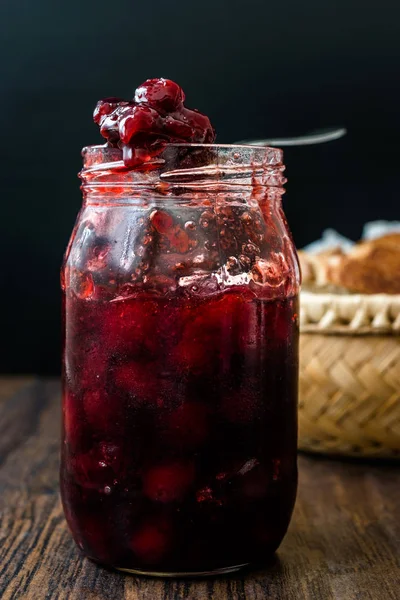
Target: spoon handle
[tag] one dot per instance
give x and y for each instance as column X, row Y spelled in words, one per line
column 319, row 137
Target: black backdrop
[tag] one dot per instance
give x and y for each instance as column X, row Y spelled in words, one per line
column 256, row 67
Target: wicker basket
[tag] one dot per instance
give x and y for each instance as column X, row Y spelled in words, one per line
column 349, row 399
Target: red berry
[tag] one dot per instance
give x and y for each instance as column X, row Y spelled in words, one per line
column 152, row 540
column 138, row 119
column 210, row 335
column 113, row 456
column 202, row 132
column 168, row 483
column 99, row 467
column 139, row 380
column 91, row 471
column 177, row 237
column 197, row 350
column 135, row 157
column 176, row 128
column 161, row 221
column 179, row 240
column 131, row 327
column 109, row 123
column 161, row 93
column 103, row 412
column 105, row 107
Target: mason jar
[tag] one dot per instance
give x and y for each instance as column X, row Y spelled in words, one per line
column 180, row 294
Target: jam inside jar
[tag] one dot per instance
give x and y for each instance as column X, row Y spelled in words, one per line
column 180, row 293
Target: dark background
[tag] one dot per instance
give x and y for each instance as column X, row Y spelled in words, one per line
column 257, row 68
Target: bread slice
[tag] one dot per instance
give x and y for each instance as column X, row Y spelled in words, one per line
column 370, row 267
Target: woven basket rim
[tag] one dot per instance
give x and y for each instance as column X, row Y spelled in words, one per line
column 351, row 314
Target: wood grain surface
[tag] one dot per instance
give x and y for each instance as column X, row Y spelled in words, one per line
column 343, row 542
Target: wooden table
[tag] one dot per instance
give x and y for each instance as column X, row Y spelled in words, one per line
column 343, row 542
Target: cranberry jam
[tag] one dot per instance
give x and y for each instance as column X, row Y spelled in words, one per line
column 141, row 127
column 180, row 289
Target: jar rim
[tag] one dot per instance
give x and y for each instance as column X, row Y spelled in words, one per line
column 264, row 154
column 189, row 164
column 195, row 145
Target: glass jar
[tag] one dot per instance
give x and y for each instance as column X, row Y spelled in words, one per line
column 180, row 288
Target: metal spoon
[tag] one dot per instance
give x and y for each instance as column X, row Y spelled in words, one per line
column 319, row 136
